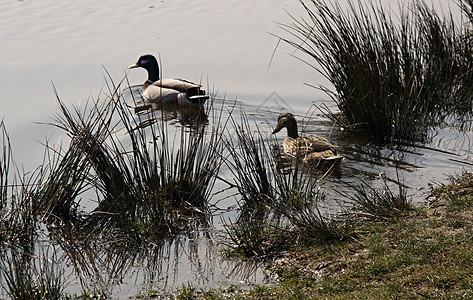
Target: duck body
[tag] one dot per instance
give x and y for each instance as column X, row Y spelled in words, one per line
column 179, row 92
column 312, row 149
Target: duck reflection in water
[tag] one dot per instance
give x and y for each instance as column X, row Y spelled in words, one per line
column 188, row 116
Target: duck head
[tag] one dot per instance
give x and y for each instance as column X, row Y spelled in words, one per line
column 287, row 120
column 149, row 63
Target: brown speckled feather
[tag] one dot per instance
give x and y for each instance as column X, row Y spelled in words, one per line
column 311, row 148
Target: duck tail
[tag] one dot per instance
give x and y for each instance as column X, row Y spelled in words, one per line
column 196, row 95
column 198, row 99
column 195, row 91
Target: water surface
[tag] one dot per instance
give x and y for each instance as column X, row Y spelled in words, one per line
column 228, row 47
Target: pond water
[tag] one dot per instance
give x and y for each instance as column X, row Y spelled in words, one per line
column 226, row 45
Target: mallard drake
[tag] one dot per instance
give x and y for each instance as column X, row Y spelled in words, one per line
column 311, row 148
column 179, row 92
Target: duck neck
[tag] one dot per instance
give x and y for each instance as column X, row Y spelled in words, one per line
column 292, row 129
column 153, row 74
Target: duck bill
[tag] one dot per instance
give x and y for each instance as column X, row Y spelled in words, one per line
column 277, row 129
column 135, row 65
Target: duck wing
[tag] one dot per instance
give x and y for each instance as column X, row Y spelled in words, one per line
column 180, row 85
column 192, row 90
column 315, row 144
column 159, row 94
column 311, row 149
column 326, row 155
column 304, row 145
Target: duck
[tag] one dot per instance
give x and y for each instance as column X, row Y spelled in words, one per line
column 179, row 92
column 312, row 149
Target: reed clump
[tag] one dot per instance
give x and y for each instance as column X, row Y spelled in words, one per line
column 28, row 277
column 150, row 182
column 381, row 203
column 23, row 275
column 392, row 78
column 18, row 223
column 141, row 171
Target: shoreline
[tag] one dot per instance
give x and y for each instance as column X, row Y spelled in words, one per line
column 426, row 253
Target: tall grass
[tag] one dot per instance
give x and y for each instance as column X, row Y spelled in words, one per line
column 5, row 184
column 27, row 277
column 380, row 203
column 249, row 163
column 392, row 78
column 23, row 277
column 467, row 8
column 150, row 182
column 140, row 171
column 5, row 161
column 18, row 223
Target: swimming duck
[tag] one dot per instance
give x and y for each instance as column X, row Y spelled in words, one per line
column 311, row 148
column 179, row 92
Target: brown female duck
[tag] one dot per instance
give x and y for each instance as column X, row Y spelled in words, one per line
column 310, row 148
